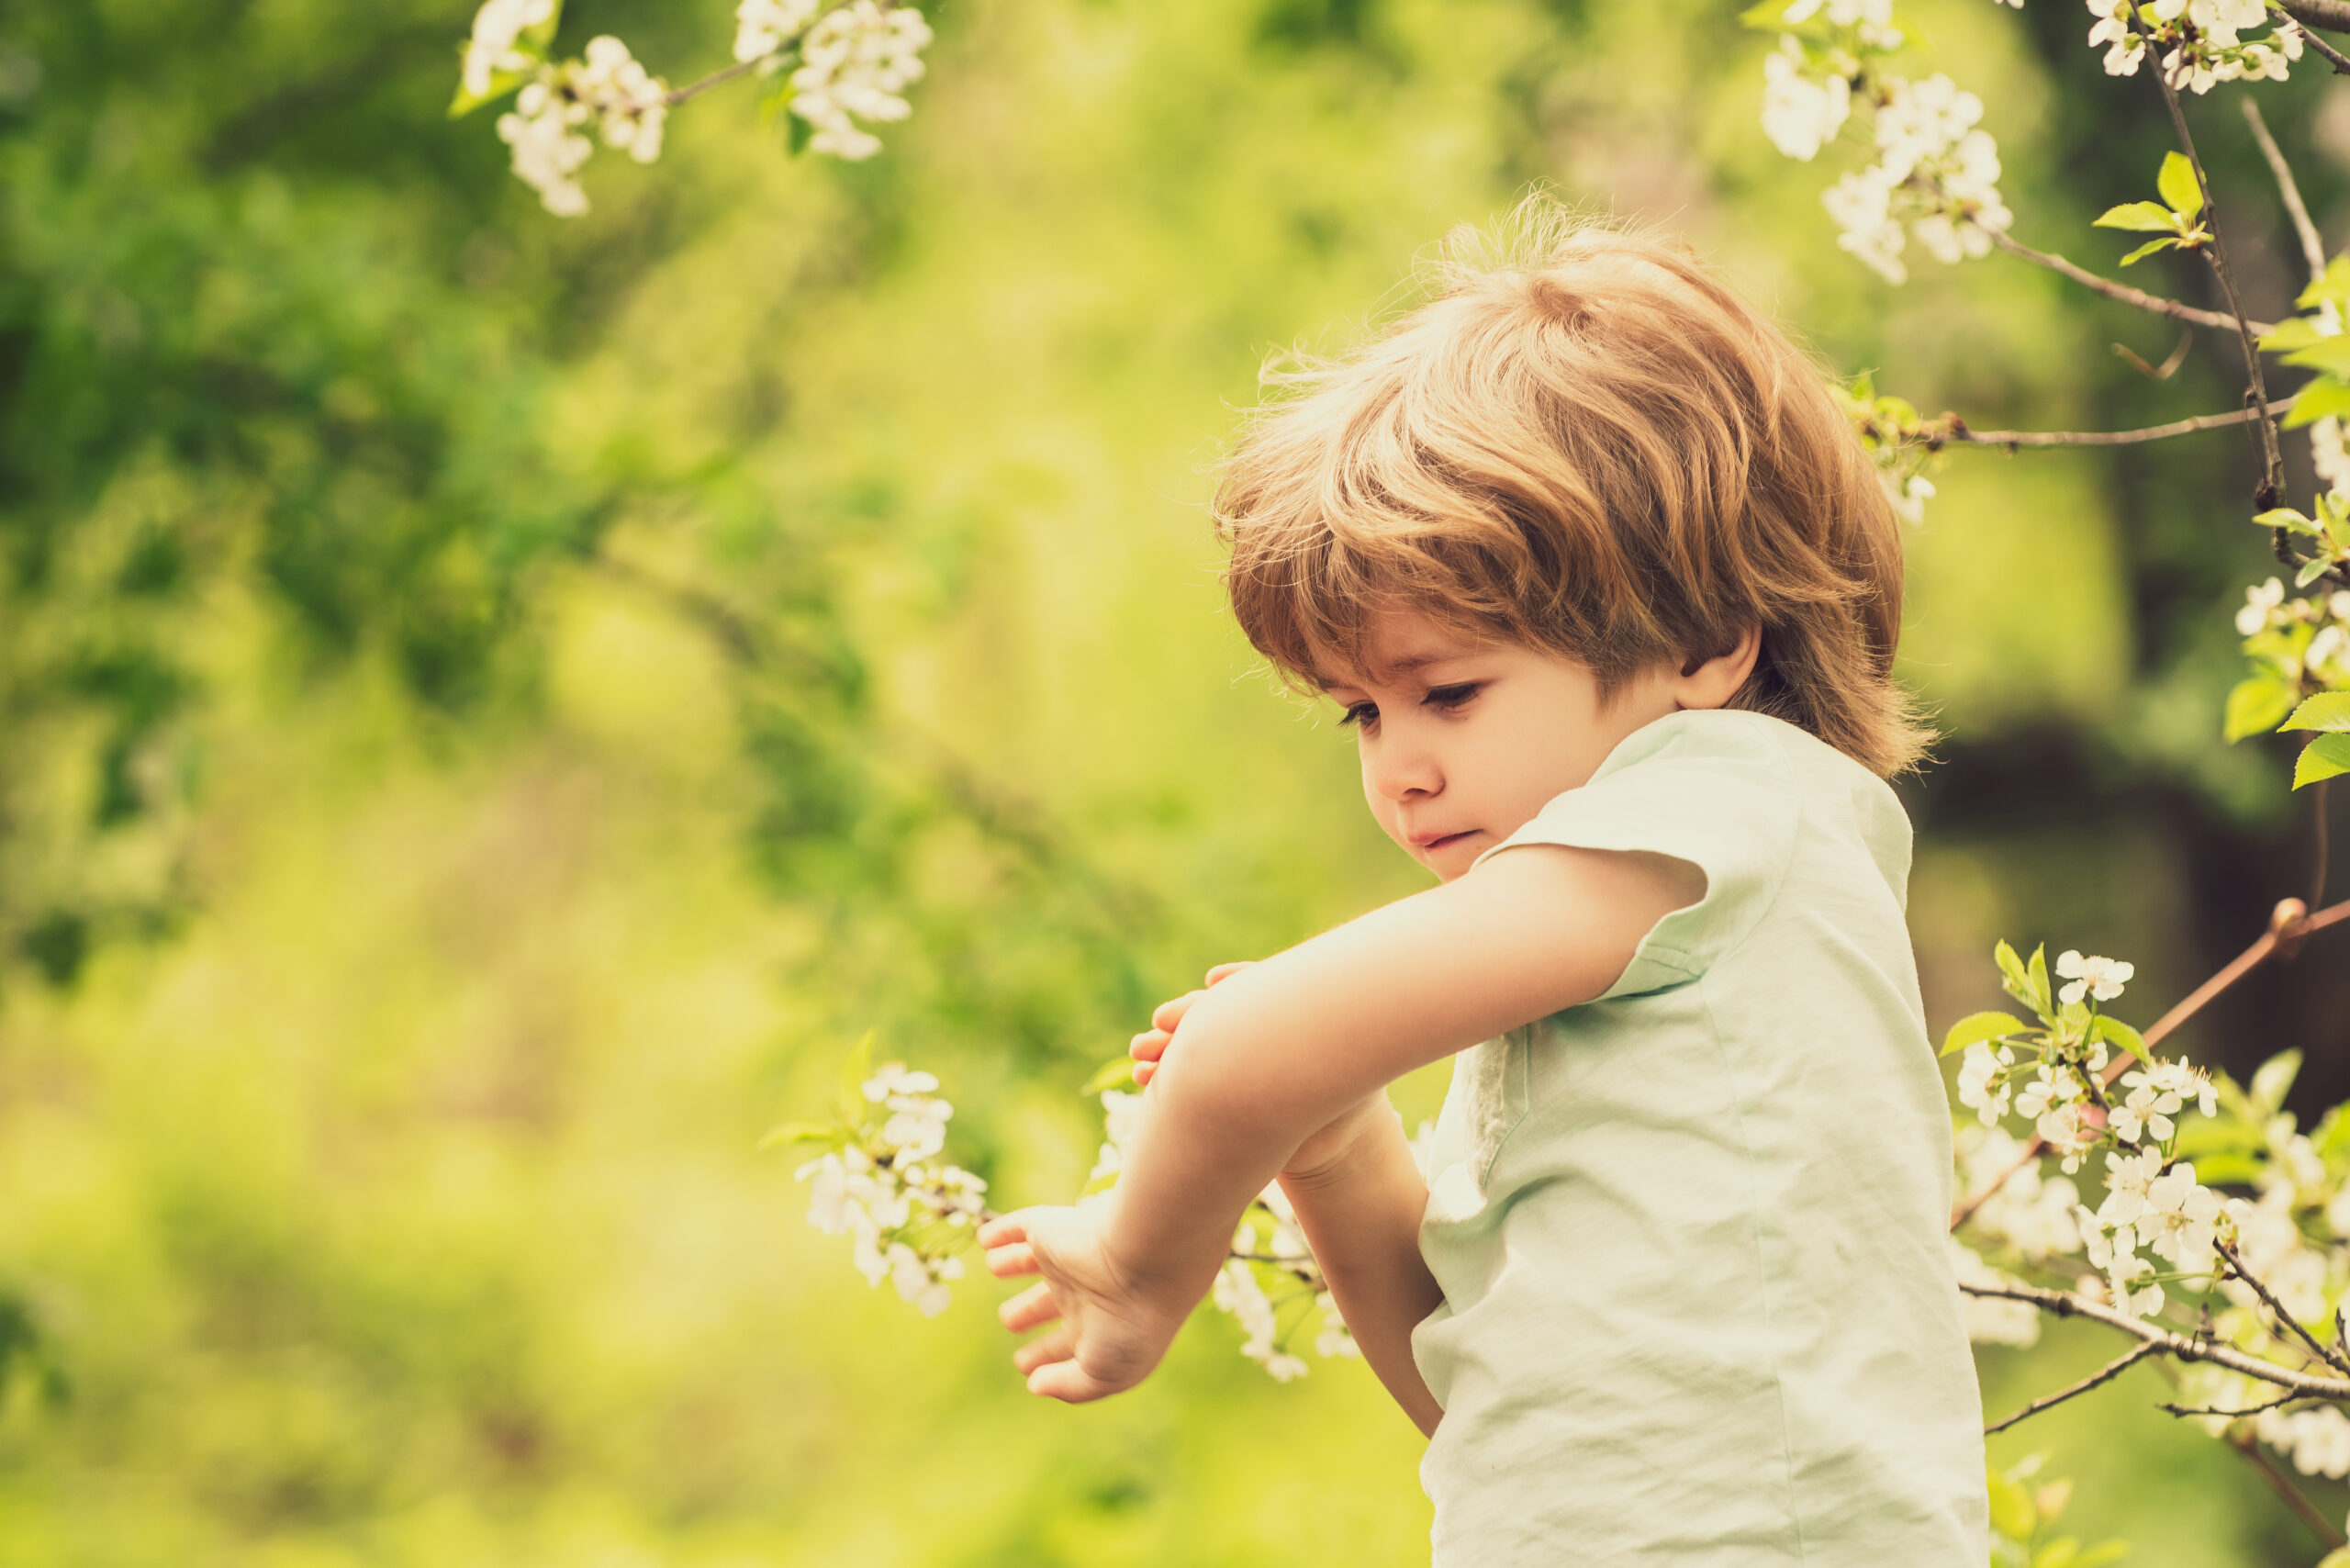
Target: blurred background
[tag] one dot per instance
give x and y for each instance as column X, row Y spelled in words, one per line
column 492, row 707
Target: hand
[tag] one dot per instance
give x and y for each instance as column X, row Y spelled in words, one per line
column 1111, row 1333
column 1152, row 1043
column 1321, row 1150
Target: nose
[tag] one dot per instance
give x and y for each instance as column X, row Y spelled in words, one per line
column 1396, row 769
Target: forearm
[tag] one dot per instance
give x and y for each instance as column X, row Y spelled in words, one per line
column 1361, row 1216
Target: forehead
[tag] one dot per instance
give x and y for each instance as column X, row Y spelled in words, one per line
column 1396, row 643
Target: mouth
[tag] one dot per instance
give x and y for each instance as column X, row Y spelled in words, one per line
column 1428, row 844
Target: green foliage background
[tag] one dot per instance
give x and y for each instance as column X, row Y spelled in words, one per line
column 490, row 708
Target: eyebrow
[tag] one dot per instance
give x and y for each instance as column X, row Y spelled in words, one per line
column 1404, row 666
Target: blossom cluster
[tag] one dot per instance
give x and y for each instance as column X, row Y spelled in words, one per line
column 907, row 1215
column 629, row 106
column 2202, row 43
column 1936, row 172
column 847, row 63
column 1901, row 445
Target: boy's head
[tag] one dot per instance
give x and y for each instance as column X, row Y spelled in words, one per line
column 1588, row 445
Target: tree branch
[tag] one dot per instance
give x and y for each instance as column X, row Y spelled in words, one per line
column 715, row 79
column 2276, row 1309
column 2332, row 14
column 1958, row 432
column 2110, row 1372
column 2312, row 248
column 2272, row 470
column 2064, row 1304
column 2325, row 1529
column 2122, row 291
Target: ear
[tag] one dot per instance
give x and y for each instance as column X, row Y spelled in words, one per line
column 1710, row 682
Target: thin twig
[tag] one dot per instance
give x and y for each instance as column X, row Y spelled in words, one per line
column 2312, row 248
column 715, row 79
column 2333, row 14
column 2276, row 1309
column 2308, row 13
column 2110, row 1372
column 2325, row 850
column 2122, row 291
column 2325, row 1529
column 1959, row 434
column 2064, row 1304
column 2276, row 1404
column 2272, row 469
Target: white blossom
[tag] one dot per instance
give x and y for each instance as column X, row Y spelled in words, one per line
column 2317, row 1441
column 1981, row 1085
column 762, row 28
column 499, row 26
column 2259, row 603
column 2026, row 1212
column 1800, row 112
column 548, row 150
column 857, row 61
column 2100, row 977
column 1336, row 1339
column 2181, row 1220
column 632, row 108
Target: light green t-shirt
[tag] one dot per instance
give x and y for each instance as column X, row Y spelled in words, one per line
column 1699, row 1308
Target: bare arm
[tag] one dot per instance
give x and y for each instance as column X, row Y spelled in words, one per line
column 1361, row 1212
column 1282, row 1050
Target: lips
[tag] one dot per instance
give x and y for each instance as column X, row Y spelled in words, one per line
column 1429, row 842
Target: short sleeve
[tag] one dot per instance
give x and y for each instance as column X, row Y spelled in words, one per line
column 1714, row 788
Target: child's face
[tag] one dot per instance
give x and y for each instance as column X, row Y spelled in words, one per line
column 1462, row 741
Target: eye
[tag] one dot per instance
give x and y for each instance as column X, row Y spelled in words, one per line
column 1360, row 713
column 1450, row 698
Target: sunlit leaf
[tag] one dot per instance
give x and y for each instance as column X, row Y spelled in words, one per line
column 2329, row 396
column 2322, row 758
column 2148, row 249
column 2326, row 711
column 855, row 1068
column 803, row 1132
column 2286, row 517
column 1977, row 1026
column 2179, row 185
column 2273, row 1080
column 2329, row 355
column 2145, row 217
column 2120, row 1036
column 2255, row 705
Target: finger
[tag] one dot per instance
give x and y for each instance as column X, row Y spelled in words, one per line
column 1003, row 1230
column 1030, row 1307
column 1144, row 1073
column 1045, row 1350
column 1149, row 1046
column 1065, row 1380
column 1170, row 1012
column 1225, row 972
column 1011, row 1261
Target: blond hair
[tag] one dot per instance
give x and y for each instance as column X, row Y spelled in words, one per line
column 1583, row 442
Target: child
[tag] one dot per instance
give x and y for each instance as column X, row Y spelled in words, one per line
column 1609, row 593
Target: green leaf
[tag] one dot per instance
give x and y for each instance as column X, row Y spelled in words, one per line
column 2179, row 185
column 2145, row 216
column 1977, row 1026
column 501, row 84
column 2041, row 995
column 2255, row 705
column 2148, row 249
column 2337, row 1558
column 2330, row 355
column 2018, row 981
column 2285, row 517
column 2118, row 1035
column 1117, row 1074
column 2273, row 1081
column 2296, row 332
column 540, row 35
column 2326, row 711
column 2221, row 1169
column 803, row 1132
column 2329, row 396
column 2311, row 570
column 2322, row 759
column 2013, row 1515
column 2102, row 1553
column 1771, row 16
column 2331, row 286
column 798, row 131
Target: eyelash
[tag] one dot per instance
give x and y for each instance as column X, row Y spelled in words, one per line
column 1451, row 699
